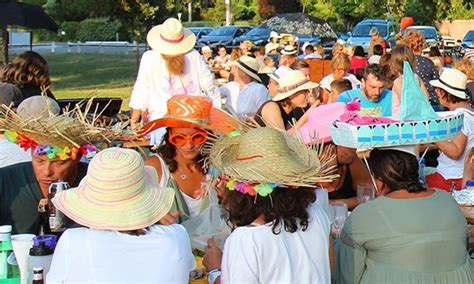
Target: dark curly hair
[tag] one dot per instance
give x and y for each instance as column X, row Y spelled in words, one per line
column 285, row 207
column 398, row 170
column 29, row 68
column 168, row 152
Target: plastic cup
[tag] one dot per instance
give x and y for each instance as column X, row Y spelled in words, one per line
column 21, row 246
column 365, row 193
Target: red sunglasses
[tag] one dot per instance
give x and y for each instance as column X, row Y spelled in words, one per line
column 179, row 139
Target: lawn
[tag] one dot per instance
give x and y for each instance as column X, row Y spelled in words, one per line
column 85, row 75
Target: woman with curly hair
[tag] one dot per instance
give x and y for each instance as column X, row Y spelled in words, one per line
column 408, row 234
column 29, row 71
column 280, row 232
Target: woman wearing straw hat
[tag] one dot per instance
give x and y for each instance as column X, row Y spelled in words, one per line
column 294, row 91
column 172, row 67
column 178, row 161
column 453, row 94
column 280, row 234
column 119, row 202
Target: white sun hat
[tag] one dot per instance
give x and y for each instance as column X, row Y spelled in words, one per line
column 293, row 82
column 274, row 35
column 289, row 50
column 249, row 65
column 452, row 81
column 171, row 38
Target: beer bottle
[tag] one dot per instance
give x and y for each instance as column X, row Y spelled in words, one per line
column 56, row 218
column 9, row 271
column 43, row 212
column 38, row 275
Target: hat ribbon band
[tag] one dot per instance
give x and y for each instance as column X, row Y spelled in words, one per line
column 198, row 121
column 248, row 68
column 178, row 40
column 292, row 87
column 452, row 87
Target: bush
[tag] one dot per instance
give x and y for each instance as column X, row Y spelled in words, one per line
column 97, row 29
column 70, row 29
column 44, row 35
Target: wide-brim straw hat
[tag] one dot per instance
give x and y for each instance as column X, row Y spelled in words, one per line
column 185, row 111
column 452, row 81
column 249, row 66
column 171, row 38
column 293, row 82
column 266, row 155
column 118, row 193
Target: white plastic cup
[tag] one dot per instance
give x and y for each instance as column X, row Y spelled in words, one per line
column 21, row 246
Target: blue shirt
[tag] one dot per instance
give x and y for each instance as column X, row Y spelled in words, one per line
column 382, row 107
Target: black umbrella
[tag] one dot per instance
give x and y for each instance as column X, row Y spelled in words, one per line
column 14, row 13
column 299, row 23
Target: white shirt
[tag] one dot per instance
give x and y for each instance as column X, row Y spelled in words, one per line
column 256, row 255
column 326, row 81
column 245, row 101
column 154, row 85
column 374, row 59
column 83, row 255
column 454, row 169
column 194, row 204
column 11, row 153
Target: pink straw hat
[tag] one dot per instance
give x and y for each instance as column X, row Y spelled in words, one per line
column 319, row 121
column 118, row 193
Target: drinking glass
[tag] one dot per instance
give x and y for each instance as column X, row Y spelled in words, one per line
column 365, row 192
column 339, row 214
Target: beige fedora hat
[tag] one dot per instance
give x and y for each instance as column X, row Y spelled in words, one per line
column 452, row 81
column 293, row 82
column 171, row 38
column 249, row 65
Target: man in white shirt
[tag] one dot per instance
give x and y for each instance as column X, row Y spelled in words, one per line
column 245, row 94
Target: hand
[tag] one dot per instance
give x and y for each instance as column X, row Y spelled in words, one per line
column 169, row 218
column 213, row 256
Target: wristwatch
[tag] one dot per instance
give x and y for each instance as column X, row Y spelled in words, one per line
column 213, row 274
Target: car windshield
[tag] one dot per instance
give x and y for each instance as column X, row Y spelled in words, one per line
column 258, row 32
column 427, row 33
column 224, row 31
column 469, row 36
column 364, row 29
column 195, row 31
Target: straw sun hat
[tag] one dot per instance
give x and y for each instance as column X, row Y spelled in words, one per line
column 118, row 193
column 293, row 82
column 267, row 156
column 171, row 38
column 452, row 81
column 249, row 66
column 185, row 111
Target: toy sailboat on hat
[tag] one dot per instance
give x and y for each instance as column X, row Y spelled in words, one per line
column 419, row 123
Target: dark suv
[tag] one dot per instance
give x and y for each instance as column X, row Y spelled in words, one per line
column 223, row 35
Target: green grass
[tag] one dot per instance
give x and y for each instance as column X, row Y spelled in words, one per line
column 85, row 75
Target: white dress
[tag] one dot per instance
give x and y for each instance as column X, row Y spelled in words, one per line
column 83, row 255
column 154, row 85
column 256, row 255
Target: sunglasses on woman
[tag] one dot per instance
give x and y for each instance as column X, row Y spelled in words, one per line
column 179, row 139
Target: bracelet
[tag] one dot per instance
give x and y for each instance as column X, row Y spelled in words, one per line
column 213, row 274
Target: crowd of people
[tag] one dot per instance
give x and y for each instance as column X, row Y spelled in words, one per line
column 242, row 144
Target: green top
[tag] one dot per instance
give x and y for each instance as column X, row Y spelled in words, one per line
column 389, row 240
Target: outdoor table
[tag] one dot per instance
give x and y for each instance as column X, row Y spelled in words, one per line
column 468, row 213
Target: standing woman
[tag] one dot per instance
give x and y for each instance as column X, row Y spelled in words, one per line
column 171, row 67
column 280, row 234
column 178, row 161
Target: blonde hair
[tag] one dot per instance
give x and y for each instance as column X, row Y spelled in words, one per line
column 235, row 54
column 319, row 49
column 399, row 54
column 465, row 66
column 414, row 40
column 340, row 59
column 337, row 48
column 174, row 63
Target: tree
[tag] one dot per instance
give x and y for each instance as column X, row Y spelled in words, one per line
column 269, row 8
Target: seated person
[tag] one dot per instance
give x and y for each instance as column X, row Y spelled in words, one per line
column 119, row 202
column 358, row 61
column 269, row 65
column 338, row 87
column 375, row 100
column 408, row 234
column 378, row 52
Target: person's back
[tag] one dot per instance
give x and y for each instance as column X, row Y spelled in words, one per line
column 420, row 240
column 83, row 255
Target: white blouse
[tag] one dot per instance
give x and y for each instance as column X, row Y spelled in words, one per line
column 256, row 255
column 83, row 255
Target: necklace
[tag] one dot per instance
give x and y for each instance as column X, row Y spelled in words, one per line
column 182, row 175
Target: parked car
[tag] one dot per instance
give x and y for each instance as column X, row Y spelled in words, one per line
column 467, row 39
column 431, row 35
column 360, row 34
column 223, row 35
column 447, row 42
column 200, row 31
column 257, row 35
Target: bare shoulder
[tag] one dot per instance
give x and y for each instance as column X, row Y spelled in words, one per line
column 154, row 162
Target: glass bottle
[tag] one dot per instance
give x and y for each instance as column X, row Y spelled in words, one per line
column 43, row 212
column 9, row 270
column 38, row 275
column 56, row 218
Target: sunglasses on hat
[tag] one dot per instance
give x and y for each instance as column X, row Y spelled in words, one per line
column 179, row 139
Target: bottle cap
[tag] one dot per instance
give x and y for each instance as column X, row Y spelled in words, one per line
column 470, row 182
column 37, row 269
column 5, row 229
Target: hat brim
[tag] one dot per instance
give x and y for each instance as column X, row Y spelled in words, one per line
column 289, row 53
column 306, row 86
column 438, row 84
column 219, row 121
column 157, row 43
column 248, row 72
column 144, row 210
